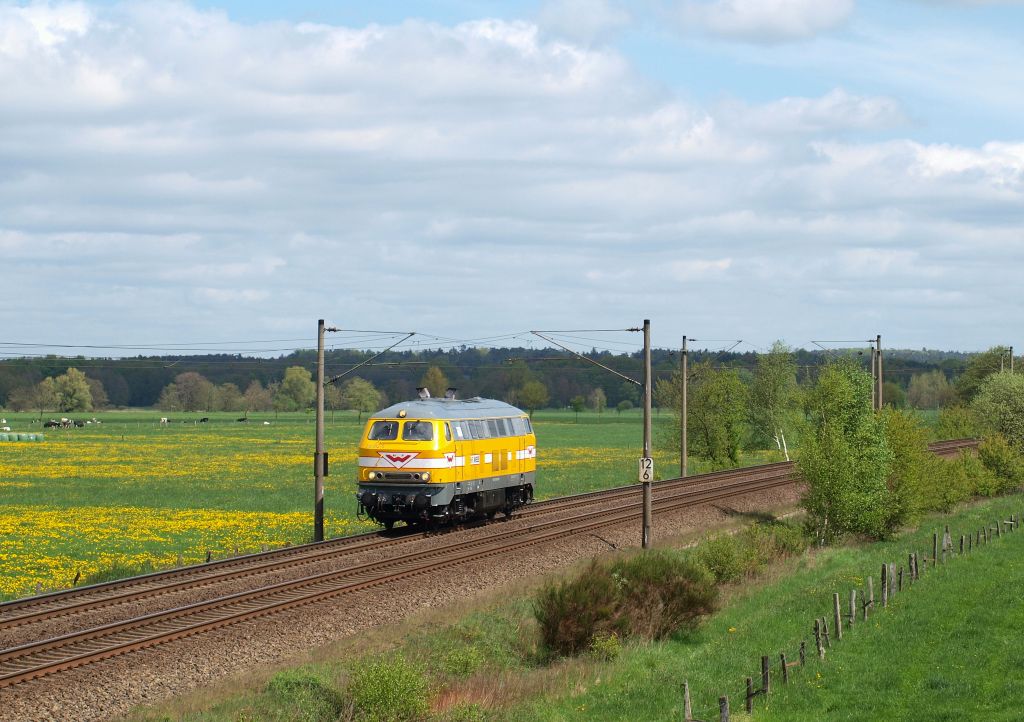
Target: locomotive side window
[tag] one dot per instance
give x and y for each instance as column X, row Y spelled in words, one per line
column 417, row 431
column 529, row 426
column 518, row 428
column 461, row 430
column 506, row 427
column 492, row 427
column 479, row 429
column 447, row 432
column 383, row 431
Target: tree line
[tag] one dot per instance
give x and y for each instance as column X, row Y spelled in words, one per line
column 531, row 378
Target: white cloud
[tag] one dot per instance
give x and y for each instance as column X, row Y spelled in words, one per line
column 583, row 21
column 765, row 21
column 836, row 111
column 302, row 171
column 698, row 269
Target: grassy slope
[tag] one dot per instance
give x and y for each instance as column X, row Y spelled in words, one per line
column 945, row 650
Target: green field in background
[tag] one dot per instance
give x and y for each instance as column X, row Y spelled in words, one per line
column 130, row 493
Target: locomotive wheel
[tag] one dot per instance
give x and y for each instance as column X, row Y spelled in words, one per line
column 389, row 524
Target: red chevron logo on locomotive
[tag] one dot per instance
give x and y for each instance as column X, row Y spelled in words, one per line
column 398, row 460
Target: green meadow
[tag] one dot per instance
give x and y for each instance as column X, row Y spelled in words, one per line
column 132, row 494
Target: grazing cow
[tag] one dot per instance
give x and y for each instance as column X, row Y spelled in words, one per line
column 163, row 421
column 266, row 423
column 78, row 424
column 5, row 428
column 204, row 419
column 3, row 421
column 242, row 420
column 51, row 424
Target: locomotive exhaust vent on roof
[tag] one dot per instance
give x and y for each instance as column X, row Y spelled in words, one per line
column 423, row 392
column 450, row 393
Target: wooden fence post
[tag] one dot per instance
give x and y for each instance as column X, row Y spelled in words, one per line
column 885, row 585
column 961, row 545
column 785, row 668
column 824, row 632
column 723, row 709
column 853, row 606
column 817, row 639
column 892, row 579
column 871, row 595
column 765, row 675
column 750, row 695
column 687, row 708
column 910, row 566
column 837, row 615
column 803, row 653
column 900, row 584
column 935, row 549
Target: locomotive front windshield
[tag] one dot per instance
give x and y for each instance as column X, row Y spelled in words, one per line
column 418, row 431
column 383, row 431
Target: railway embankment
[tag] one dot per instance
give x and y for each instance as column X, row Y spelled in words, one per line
column 944, row 643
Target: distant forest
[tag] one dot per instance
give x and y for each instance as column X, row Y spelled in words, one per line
column 138, row 382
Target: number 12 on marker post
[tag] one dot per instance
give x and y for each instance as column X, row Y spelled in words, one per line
column 646, row 469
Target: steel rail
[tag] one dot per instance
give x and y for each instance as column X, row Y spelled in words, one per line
column 198, row 576
column 38, row 659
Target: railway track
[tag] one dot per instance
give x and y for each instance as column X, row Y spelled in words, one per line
column 77, row 601
column 49, row 656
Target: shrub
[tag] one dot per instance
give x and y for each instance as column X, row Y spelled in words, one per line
column 606, row 647
column 1002, row 459
column 649, row 595
column 956, row 422
column 662, row 593
column 389, row 690
column 572, row 612
column 908, row 440
column 462, row 661
column 313, row 699
column 774, row 540
column 946, row 484
column 723, row 556
column 982, row 480
column 729, row 558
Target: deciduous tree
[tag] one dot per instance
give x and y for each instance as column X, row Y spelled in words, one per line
column 297, row 390
column 982, row 366
column 717, row 409
column 999, row 406
column 435, row 381
column 846, row 460
column 930, row 390
column 360, row 395
column 533, row 395
column 73, row 393
column 258, row 398
column 775, row 397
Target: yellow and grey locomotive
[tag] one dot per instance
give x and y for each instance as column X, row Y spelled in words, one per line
column 434, row 460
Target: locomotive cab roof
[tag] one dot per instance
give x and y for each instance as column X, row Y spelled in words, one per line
column 438, row 408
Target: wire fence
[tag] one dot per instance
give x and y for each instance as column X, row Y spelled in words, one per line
column 828, row 629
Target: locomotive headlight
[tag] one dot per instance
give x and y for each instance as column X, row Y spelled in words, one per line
column 426, row 476
column 372, row 475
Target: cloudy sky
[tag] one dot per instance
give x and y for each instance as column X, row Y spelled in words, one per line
column 730, row 169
